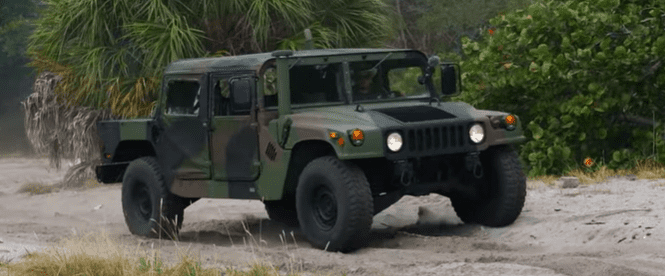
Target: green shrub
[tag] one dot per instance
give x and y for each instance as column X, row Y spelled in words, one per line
column 568, row 69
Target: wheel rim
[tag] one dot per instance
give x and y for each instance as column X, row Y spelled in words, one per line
column 142, row 198
column 325, row 208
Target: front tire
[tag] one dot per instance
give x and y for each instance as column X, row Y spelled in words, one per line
column 502, row 191
column 143, row 189
column 335, row 205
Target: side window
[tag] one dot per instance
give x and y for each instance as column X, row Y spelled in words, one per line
column 270, row 87
column 182, row 97
column 221, row 98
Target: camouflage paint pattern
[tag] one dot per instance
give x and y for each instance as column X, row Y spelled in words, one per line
column 237, row 157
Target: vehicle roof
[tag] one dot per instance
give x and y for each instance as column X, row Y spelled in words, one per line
column 254, row 62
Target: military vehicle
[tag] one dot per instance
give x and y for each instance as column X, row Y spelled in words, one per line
column 326, row 138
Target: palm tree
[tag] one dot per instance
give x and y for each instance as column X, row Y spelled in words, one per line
column 109, row 54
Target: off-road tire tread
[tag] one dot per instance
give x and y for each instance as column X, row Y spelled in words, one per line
column 172, row 206
column 514, row 190
column 355, row 235
column 504, row 209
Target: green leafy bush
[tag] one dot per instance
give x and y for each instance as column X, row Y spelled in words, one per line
column 569, row 69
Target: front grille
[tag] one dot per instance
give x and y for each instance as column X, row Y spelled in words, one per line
column 432, row 140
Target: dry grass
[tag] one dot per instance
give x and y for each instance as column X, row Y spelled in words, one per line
column 40, row 187
column 644, row 169
column 37, row 187
column 97, row 253
column 59, row 129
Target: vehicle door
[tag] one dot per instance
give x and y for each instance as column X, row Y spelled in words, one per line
column 182, row 145
column 234, row 136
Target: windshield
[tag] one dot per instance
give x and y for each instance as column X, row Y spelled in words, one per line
column 390, row 79
column 375, row 80
column 316, row 84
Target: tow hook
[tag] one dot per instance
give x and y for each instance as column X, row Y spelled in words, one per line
column 473, row 164
column 404, row 171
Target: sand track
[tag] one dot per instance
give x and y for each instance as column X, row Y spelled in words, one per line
column 612, row 228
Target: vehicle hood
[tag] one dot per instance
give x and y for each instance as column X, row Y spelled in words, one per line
column 388, row 114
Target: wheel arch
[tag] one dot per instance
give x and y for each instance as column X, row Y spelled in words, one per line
column 302, row 153
column 129, row 150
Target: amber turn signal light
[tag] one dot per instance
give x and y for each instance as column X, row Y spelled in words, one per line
column 333, row 135
column 510, row 119
column 356, row 136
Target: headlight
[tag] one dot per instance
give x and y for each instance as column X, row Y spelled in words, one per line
column 394, row 142
column 476, row 133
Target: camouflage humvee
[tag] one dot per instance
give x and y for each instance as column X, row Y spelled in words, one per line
column 325, row 138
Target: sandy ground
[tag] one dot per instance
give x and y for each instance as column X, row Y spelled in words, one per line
column 611, row 228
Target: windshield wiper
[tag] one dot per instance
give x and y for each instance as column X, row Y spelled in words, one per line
column 384, row 58
column 295, row 63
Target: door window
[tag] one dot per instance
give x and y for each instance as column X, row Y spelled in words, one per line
column 183, row 97
column 221, row 98
column 270, row 87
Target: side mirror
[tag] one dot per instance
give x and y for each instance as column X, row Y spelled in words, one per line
column 241, row 91
column 432, row 63
column 450, row 79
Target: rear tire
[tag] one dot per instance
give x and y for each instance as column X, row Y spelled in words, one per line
column 502, row 191
column 143, row 189
column 335, row 205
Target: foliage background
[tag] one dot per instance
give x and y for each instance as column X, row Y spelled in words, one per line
column 578, row 73
column 15, row 76
column 572, row 70
column 110, row 54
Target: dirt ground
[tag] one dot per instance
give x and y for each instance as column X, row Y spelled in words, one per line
column 611, row 228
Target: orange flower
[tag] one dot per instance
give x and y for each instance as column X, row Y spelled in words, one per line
column 588, row 162
column 491, row 31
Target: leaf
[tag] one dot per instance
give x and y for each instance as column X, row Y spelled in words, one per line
column 550, row 152
column 568, row 125
column 602, row 133
column 546, row 67
column 538, row 133
column 566, row 118
column 566, row 152
column 533, row 157
column 553, row 123
column 542, row 50
column 565, row 43
column 616, row 156
column 582, row 136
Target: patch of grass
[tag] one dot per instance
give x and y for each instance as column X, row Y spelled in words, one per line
column 644, row 169
column 96, row 253
column 36, row 187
